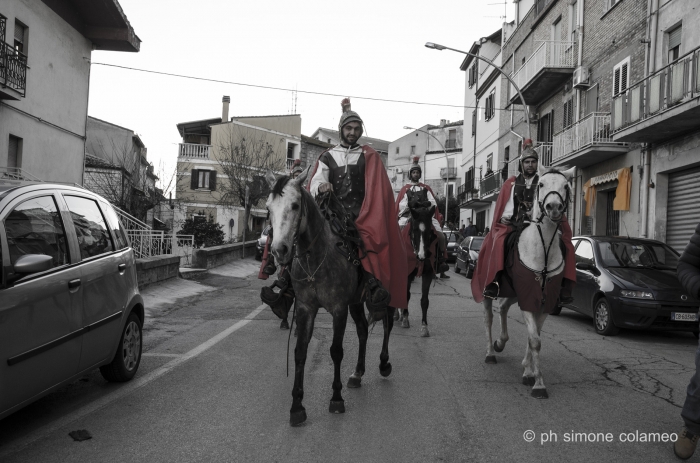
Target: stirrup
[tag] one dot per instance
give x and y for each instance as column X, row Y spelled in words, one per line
column 279, row 302
column 488, row 292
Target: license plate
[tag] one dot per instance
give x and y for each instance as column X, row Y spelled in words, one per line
column 684, row 317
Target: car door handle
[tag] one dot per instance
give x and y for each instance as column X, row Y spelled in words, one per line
column 74, row 283
column 121, row 267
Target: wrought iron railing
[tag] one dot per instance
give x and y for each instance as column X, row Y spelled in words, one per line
column 491, row 184
column 3, row 28
column 467, row 192
column 592, row 130
column 450, row 144
column 194, row 151
column 448, row 172
column 13, row 68
column 549, row 54
column 660, row 91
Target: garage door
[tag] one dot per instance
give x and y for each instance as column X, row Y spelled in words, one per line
column 683, row 210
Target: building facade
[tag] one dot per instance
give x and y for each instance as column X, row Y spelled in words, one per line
column 45, row 51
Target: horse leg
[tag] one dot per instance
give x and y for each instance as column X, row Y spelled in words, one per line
column 404, row 312
column 357, row 311
column 506, row 303
column 488, row 320
column 305, row 321
column 539, row 390
column 340, row 319
column 284, row 325
column 425, row 303
column 384, row 365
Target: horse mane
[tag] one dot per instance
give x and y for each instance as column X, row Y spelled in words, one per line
column 279, row 186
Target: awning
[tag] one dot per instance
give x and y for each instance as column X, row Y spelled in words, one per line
column 609, row 177
column 622, row 193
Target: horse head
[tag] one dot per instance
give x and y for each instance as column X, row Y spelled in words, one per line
column 421, row 224
column 553, row 193
column 287, row 205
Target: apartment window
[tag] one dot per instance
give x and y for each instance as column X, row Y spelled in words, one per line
column 621, row 77
column 397, row 150
column 450, row 190
column 520, row 148
column 569, row 112
column 291, row 148
column 451, row 139
column 14, row 153
column 506, row 154
column 329, row 141
column 489, row 164
column 674, row 43
column 203, row 179
column 574, row 20
column 413, row 149
column 473, row 122
column 490, row 105
column 469, row 179
column 21, row 37
column 473, row 73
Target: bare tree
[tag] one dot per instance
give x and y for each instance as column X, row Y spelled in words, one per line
column 244, row 155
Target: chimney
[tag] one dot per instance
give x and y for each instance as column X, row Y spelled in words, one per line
column 443, row 122
column 224, row 112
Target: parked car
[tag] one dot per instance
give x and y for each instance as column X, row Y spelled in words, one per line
column 262, row 241
column 452, row 238
column 69, row 300
column 631, row 283
column 468, row 254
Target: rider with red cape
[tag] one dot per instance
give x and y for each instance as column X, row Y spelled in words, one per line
column 514, row 206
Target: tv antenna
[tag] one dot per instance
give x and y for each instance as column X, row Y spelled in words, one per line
column 505, row 10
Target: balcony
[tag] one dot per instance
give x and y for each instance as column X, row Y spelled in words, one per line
column 664, row 105
column 587, row 142
column 544, row 72
column 13, row 72
column 194, row 151
column 490, row 186
column 290, row 164
column 468, row 197
column 450, row 144
column 448, row 172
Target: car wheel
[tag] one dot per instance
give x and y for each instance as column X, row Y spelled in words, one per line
column 128, row 357
column 602, row 318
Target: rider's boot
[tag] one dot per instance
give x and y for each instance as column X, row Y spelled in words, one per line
column 378, row 297
column 491, row 290
column 270, row 268
column 281, row 301
column 565, row 296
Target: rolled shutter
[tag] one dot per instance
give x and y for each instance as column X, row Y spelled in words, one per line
column 194, row 182
column 674, row 38
column 212, row 180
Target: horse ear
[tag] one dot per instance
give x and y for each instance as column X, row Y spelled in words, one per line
column 569, row 173
column 301, row 179
column 270, row 178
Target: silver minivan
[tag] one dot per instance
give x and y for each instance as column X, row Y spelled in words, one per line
column 69, row 300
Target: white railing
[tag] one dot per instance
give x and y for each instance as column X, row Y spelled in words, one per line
column 544, row 149
column 129, row 222
column 549, row 54
column 591, row 130
column 513, row 167
column 194, row 151
column 290, row 164
column 17, row 173
column 150, row 243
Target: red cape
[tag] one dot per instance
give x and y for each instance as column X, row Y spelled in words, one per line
column 379, row 229
column 492, row 252
column 402, row 193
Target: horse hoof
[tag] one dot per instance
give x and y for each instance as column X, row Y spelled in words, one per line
column 337, row 406
column 355, row 381
column 539, row 394
column 284, row 325
column 491, row 359
column 386, row 370
column 498, row 349
column 404, row 323
column 529, row 381
column 424, row 333
column 297, row 418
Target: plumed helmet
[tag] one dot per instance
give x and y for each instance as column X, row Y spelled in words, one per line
column 528, row 151
column 348, row 115
column 415, row 166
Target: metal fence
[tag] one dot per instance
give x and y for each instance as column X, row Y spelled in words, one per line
column 550, row 54
column 591, row 130
column 13, row 68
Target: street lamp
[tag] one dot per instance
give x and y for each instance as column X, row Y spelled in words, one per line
column 439, row 47
column 446, row 160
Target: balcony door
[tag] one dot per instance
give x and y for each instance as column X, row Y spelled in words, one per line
column 555, row 59
column 545, row 128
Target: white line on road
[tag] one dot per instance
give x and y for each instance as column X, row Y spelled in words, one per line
column 126, row 389
column 160, row 354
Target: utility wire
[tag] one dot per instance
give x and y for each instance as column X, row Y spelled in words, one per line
column 290, row 89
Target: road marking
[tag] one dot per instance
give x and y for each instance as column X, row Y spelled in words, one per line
column 159, row 354
column 127, row 389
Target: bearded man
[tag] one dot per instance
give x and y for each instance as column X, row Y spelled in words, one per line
column 514, row 211
column 355, row 175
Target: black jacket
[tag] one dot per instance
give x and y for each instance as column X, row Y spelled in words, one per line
column 689, row 265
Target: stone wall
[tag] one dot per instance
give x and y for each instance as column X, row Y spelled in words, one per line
column 154, row 269
column 220, row 255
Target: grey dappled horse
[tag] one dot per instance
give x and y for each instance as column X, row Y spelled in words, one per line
column 536, row 251
column 322, row 277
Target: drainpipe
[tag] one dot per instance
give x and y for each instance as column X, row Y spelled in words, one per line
column 644, row 232
column 650, row 54
column 654, row 16
column 579, row 19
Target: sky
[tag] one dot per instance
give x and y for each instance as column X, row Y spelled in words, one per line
column 362, row 48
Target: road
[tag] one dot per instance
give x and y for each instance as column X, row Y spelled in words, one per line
column 212, row 386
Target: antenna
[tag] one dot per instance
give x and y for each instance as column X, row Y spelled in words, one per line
column 505, row 10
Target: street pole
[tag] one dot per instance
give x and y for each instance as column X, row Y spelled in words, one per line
column 447, row 161
column 438, row 47
column 245, row 225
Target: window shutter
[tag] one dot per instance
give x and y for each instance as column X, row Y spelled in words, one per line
column 212, row 180
column 624, row 76
column 19, row 32
column 616, row 82
column 474, row 122
column 674, row 38
column 194, row 182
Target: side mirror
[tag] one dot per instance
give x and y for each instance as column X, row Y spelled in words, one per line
column 33, row 263
column 586, row 266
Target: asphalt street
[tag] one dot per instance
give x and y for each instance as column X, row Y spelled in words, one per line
column 212, row 386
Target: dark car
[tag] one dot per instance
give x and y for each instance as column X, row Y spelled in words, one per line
column 262, row 241
column 468, row 254
column 452, row 238
column 631, row 283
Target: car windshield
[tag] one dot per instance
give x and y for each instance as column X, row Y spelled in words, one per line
column 476, row 244
column 636, row 254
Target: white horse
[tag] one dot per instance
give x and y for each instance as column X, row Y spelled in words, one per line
column 539, row 250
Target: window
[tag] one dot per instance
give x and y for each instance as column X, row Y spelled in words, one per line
column 489, row 164
column 413, row 149
column 574, row 20
column 569, row 112
column 291, row 147
column 20, row 37
column 490, row 105
column 397, row 150
column 473, row 73
column 584, row 253
column 612, row 3
column 592, row 99
column 674, row 43
column 90, row 226
column 520, row 147
column 35, row 227
column 506, row 154
column 203, row 179
column 469, row 179
column 450, row 190
column 116, row 226
column 474, row 123
column 329, row 141
column 14, row 154
column 451, row 139
column 621, row 77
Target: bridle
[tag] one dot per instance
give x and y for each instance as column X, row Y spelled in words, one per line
column 540, row 203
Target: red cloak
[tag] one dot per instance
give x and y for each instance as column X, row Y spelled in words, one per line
column 379, row 229
column 492, row 252
column 402, row 193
